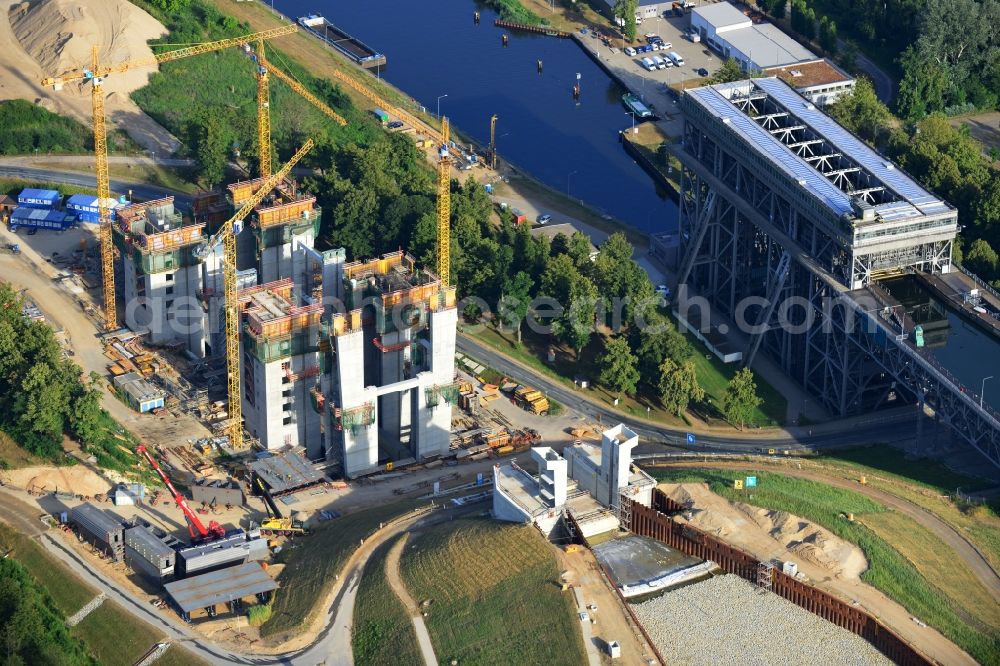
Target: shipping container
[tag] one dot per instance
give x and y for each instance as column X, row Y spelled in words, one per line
column 149, row 554
column 39, row 218
column 102, row 530
column 219, row 554
column 85, row 208
column 382, row 116
column 33, row 198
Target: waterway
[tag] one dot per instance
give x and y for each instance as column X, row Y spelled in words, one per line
column 435, row 50
column 967, row 351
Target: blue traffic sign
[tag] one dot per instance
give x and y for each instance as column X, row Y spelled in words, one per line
column 690, row 438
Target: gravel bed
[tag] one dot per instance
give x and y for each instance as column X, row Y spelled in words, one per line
column 724, row 620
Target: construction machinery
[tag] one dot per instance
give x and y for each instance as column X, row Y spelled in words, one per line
column 264, row 68
column 444, row 207
column 226, row 235
column 276, row 524
column 96, row 74
column 199, row 533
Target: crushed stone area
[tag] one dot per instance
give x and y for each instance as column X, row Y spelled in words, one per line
column 724, row 620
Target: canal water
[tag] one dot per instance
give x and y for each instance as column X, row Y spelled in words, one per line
column 435, row 49
column 968, row 352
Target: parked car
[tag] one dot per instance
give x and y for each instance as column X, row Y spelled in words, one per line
column 629, row 51
column 702, row 71
column 542, row 219
column 395, row 124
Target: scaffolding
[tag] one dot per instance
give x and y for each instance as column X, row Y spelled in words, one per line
column 447, row 392
column 354, row 417
column 764, row 576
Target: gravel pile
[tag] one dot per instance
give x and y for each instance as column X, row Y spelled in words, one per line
column 724, row 620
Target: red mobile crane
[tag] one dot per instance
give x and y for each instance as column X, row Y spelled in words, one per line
column 195, row 527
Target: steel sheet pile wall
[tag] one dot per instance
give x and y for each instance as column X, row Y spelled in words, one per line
column 652, row 523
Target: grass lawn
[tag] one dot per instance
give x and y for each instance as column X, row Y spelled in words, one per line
column 68, row 591
column 494, row 595
column 936, row 562
column 926, row 483
column 713, row 376
column 382, row 632
column 13, row 456
column 312, row 566
column 889, row 570
column 114, row 637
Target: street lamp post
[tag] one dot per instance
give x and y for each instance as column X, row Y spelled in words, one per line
column 567, row 180
column 440, row 97
column 982, row 389
column 633, row 119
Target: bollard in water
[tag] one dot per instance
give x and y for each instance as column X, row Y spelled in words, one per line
column 503, row 38
column 539, row 66
column 475, row 17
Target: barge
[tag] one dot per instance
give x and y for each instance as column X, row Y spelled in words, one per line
column 352, row 47
column 633, row 104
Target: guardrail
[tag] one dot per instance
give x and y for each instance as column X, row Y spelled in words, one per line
column 979, row 281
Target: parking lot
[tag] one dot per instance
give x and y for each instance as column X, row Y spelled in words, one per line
column 651, row 86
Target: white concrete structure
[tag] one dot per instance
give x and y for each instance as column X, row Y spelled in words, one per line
column 552, row 476
column 280, row 359
column 821, row 81
column 607, row 473
column 717, row 19
column 391, row 380
column 583, row 483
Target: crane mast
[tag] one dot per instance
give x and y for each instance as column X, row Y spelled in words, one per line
column 444, row 208
column 226, row 234
column 96, row 75
column 263, row 114
column 196, row 529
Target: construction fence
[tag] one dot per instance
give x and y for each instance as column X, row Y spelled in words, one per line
column 650, row 522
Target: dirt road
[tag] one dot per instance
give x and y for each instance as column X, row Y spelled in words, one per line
column 395, row 580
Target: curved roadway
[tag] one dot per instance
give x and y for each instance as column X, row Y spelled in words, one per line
column 885, row 428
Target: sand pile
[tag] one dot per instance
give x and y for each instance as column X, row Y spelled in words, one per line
column 78, row 480
column 760, row 530
column 59, row 34
column 45, row 38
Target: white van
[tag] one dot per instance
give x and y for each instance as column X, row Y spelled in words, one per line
column 648, row 64
column 659, row 62
column 629, row 51
column 676, row 58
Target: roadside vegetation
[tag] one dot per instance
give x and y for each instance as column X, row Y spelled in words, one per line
column 500, row 602
column 29, row 128
column 313, row 565
column 513, row 10
column 44, row 395
column 952, row 612
column 34, row 631
column 13, row 186
column 67, row 591
column 382, row 634
column 115, row 637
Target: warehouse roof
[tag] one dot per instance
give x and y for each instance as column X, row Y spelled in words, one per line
column 715, row 100
column 721, row 14
column 285, row 472
column 32, row 193
column 37, row 214
column 767, row 46
column 218, row 587
column 96, row 517
column 138, row 388
column 141, row 536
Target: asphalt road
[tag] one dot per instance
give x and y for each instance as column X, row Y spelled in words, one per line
column 118, row 186
column 884, row 428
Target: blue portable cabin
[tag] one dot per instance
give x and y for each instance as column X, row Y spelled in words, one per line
column 40, row 219
column 32, row 198
column 84, row 207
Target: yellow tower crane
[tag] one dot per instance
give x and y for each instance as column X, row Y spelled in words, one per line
column 96, row 74
column 226, row 234
column 444, row 207
column 265, row 67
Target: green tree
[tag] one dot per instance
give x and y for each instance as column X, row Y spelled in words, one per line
column 861, row 111
column 577, row 322
column 213, row 141
column 922, row 88
column 981, row 258
column 828, row 35
column 778, row 8
column 678, row 385
column 516, row 299
column 741, row 399
column 659, row 339
column 731, row 70
column 619, row 366
column 625, row 10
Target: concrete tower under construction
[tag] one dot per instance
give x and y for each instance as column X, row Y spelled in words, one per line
column 391, row 381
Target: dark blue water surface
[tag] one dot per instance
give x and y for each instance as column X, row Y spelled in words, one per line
column 434, row 48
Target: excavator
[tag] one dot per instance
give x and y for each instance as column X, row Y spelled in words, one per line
column 276, row 524
column 199, row 533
